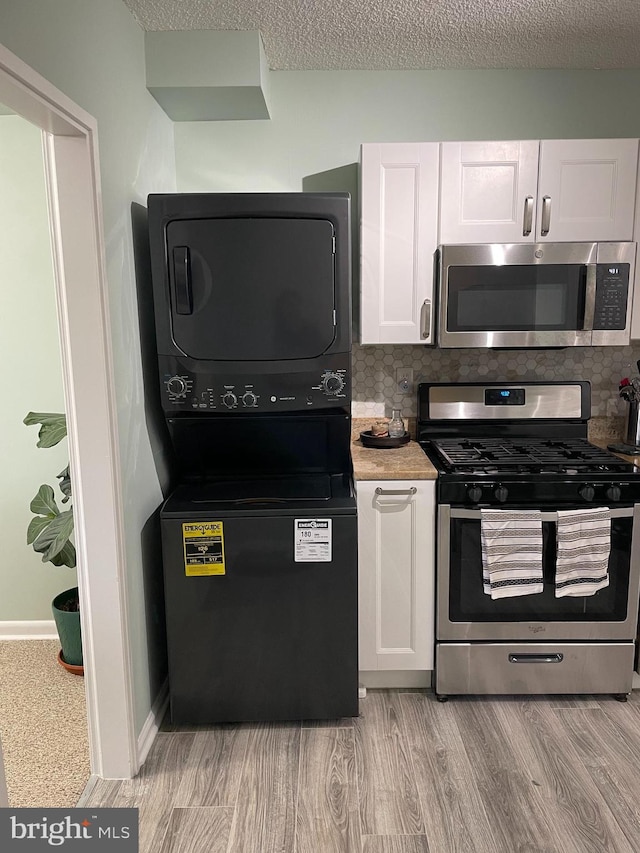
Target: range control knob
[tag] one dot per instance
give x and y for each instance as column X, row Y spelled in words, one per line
column 587, row 492
column 332, row 383
column 249, row 399
column 474, row 493
column 230, row 400
column 176, row 386
column 501, row 493
column 614, row 492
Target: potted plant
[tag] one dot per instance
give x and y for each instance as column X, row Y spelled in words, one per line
column 49, row 533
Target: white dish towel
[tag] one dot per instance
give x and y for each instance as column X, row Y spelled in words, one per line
column 511, row 552
column 584, row 544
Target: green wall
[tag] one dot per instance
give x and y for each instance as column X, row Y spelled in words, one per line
column 320, row 118
column 93, row 51
column 29, row 335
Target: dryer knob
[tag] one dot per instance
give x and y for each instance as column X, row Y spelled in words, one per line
column 332, row 383
column 176, row 386
column 249, row 399
column 230, row 400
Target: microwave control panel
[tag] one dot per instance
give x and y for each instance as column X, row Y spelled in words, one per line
column 612, row 292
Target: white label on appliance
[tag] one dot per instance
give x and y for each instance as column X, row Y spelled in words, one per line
column 312, row 540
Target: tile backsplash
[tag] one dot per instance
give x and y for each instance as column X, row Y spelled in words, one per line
column 375, row 391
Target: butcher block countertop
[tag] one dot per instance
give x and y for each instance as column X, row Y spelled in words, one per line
column 401, row 463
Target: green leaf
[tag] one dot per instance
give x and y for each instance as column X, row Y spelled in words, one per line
column 44, row 502
column 52, row 538
column 66, row 557
column 36, row 525
column 53, row 429
column 65, row 484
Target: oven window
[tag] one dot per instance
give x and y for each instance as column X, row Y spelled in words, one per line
column 469, row 603
column 544, row 297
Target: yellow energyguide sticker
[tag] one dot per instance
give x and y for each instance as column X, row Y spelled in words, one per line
column 203, row 543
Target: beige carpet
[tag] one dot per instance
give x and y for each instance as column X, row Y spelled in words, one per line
column 43, row 726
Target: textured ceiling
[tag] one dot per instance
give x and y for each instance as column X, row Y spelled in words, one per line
column 412, row 34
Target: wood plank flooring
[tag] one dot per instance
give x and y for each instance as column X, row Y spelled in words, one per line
column 410, row 775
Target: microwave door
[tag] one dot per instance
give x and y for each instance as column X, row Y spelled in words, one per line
column 511, row 298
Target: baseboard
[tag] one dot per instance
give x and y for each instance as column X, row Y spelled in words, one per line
column 40, row 629
column 403, row 679
column 152, row 723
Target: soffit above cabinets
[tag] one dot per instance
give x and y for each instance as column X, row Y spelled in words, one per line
column 428, row 34
column 207, row 75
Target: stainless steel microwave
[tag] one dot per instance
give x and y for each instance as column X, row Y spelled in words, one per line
column 535, row 294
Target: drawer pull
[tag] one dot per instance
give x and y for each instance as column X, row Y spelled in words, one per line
column 533, row 658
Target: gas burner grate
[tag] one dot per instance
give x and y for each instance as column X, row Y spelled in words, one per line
column 494, row 455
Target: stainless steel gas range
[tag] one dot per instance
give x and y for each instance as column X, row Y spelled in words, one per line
column 522, row 449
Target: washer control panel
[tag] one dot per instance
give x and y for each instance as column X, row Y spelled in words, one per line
column 196, row 392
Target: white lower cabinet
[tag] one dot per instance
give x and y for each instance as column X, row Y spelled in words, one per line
column 396, row 560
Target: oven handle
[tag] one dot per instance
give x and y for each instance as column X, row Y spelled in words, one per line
column 620, row 512
column 536, row 658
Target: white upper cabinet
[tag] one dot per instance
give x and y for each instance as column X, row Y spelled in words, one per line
column 399, row 235
column 556, row 190
column 587, row 190
column 488, row 191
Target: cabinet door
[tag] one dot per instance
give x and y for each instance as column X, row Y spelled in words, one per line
column 488, row 192
column 399, row 209
column 396, row 567
column 587, row 189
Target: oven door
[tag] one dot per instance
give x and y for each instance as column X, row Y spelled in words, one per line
column 465, row 612
column 517, row 295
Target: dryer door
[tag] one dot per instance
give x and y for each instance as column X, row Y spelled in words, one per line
column 252, row 289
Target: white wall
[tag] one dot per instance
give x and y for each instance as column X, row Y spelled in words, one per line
column 320, row 118
column 94, row 52
column 32, row 373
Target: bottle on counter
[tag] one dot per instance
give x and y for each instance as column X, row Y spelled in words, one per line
column 396, row 424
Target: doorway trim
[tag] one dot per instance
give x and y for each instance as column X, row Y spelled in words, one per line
column 72, row 171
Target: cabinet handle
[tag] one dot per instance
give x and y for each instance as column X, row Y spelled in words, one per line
column 527, row 221
column 426, row 318
column 546, row 215
column 410, row 491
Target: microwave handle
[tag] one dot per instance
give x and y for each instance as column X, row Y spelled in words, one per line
column 590, row 297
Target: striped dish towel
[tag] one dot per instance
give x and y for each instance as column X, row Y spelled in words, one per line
column 584, row 543
column 511, row 552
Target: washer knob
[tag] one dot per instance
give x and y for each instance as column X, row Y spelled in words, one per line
column 249, row 399
column 587, row 492
column 176, row 386
column 230, row 400
column 614, row 492
column 475, row 494
column 501, row 493
column 332, row 383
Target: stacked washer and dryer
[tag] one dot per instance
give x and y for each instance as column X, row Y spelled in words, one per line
column 253, row 324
